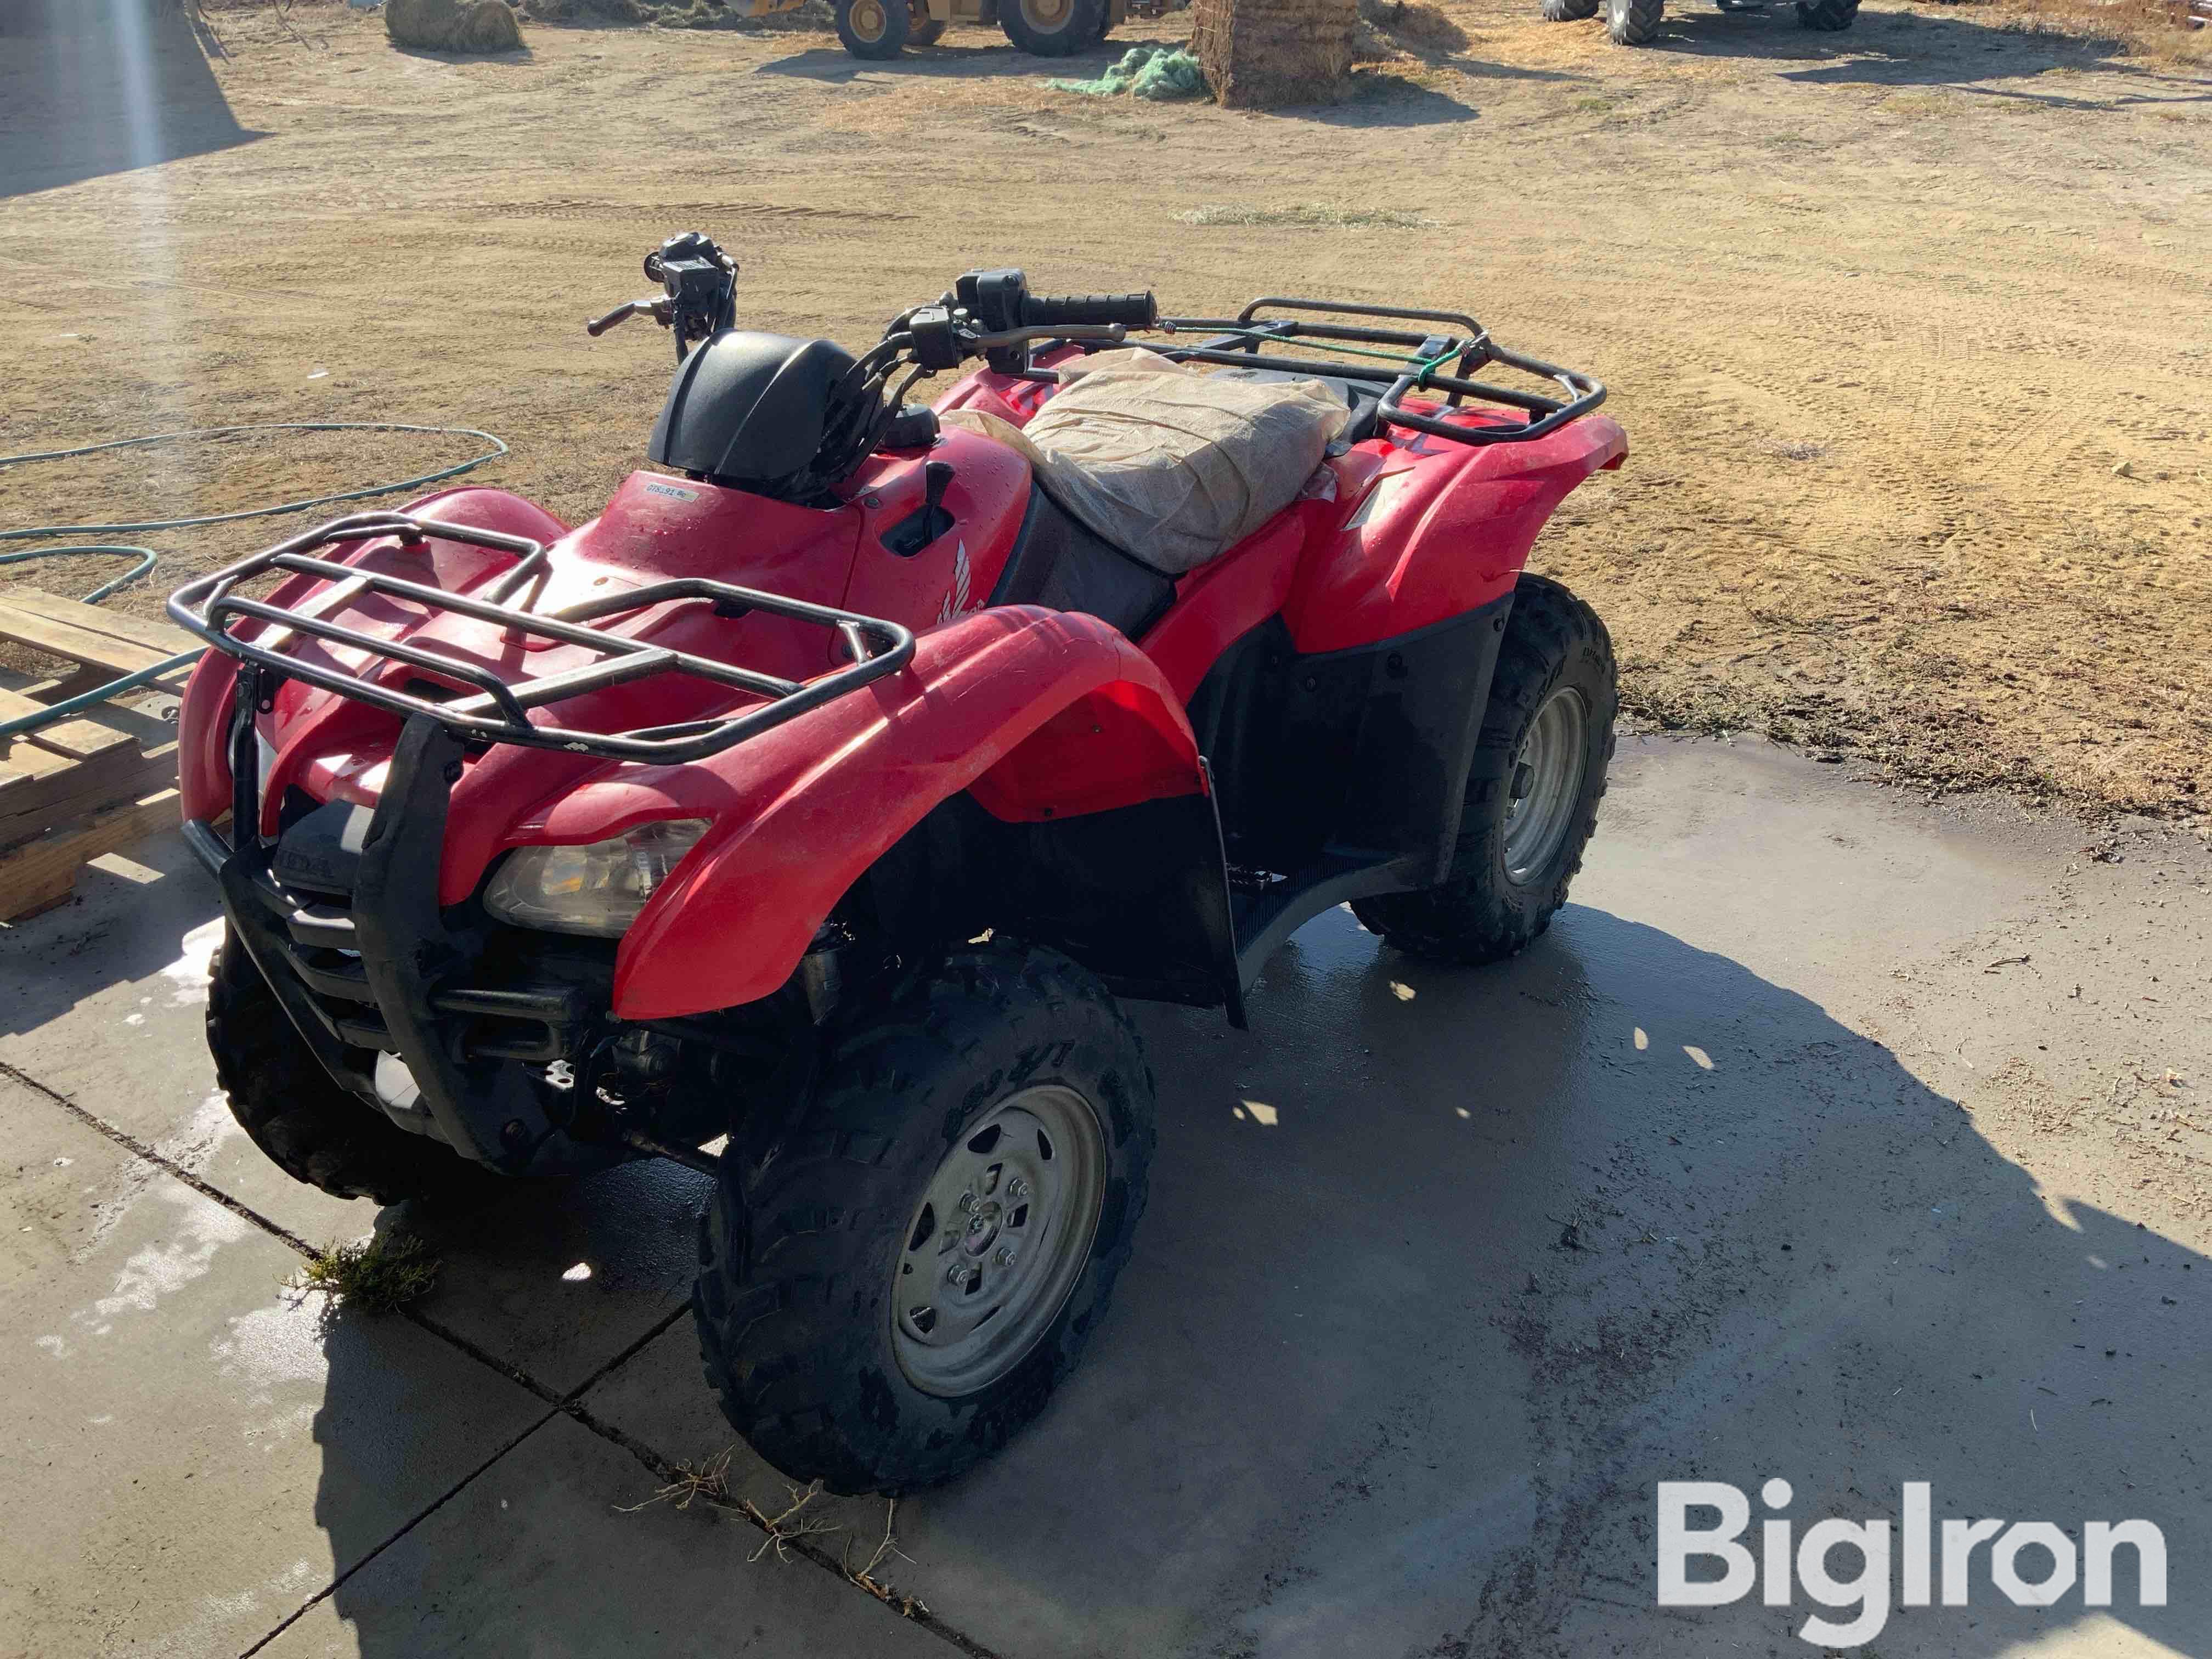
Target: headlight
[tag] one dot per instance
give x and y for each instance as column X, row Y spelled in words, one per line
column 598, row 888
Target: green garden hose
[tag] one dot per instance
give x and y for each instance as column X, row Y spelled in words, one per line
column 147, row 559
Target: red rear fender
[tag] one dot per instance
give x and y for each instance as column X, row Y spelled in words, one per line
column 1442, row 530
column 1041, row 714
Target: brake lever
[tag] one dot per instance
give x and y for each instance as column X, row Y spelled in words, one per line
column 660, row 308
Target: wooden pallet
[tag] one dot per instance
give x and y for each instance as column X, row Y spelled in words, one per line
column 93, row 784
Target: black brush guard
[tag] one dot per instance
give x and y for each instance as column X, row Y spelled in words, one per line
column 382, row 967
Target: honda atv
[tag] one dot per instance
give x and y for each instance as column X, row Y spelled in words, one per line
column 805, row 817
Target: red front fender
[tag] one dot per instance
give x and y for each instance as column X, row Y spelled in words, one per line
column 1041, row 714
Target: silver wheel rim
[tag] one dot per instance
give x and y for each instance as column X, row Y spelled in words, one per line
column 994, row 1248
column 1545, row 784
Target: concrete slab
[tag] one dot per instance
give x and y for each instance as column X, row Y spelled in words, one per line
column 189, row 1454
column 1828, row 1136
column 533, row 1559
column 554, row 1280
column 1444, row 1269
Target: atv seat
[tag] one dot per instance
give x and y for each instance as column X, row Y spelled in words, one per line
column 1056, row 561
column 1181, row 465
column 1363, row 398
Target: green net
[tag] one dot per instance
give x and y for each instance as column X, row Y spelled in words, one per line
column 1158, row 72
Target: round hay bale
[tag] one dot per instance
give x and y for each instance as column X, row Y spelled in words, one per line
column 1260, row 54
column 453, row 25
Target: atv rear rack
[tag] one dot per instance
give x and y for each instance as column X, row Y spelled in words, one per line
column 1412, row 367
column 500, row 712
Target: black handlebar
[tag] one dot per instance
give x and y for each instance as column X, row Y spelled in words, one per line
column 1055, row 310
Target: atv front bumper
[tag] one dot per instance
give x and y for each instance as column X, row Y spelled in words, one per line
column 378, row 969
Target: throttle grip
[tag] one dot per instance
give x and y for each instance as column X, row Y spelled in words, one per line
column 1052, row 310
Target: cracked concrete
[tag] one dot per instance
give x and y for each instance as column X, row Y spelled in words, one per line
column 1829, row 1135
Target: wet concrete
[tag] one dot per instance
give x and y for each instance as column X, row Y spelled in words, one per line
column 1828, row 1135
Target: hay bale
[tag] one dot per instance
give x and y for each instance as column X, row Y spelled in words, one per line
column 453, row 25
column 1259, row 54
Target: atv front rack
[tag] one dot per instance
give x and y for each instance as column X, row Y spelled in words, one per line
column 499, row 711
column 1400, row 361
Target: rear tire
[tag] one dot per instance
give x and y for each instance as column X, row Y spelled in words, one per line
column 1633, row 22
column 830, row 1321
column 1829, row 16
column 874, row 29
column 1569, row 11
column 1552, row 702
column 311, row 1128
column 1052, row 28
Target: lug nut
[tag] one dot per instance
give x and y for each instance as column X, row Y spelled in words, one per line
column 968, row 1203
column 1018, row 1188
column 957, row 1275
column 1006, row 1256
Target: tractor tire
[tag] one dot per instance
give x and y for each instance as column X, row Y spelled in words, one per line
column 1569, row 11
column 1829, row 16
column 992, row 1118
column 1051, row 28
column 1633, row 22
column 1105, row 21
column 874, row 29
column 1532, row 794
column 922, row 29
column 312, row 1128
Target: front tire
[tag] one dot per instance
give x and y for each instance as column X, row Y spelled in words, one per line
column 1633, row 22
column 1052, row 28
column 1532, row 793
column 1828, row 16
column 874, row 29
column 893, row 1288
column 1569, row 11
column 314, row 1129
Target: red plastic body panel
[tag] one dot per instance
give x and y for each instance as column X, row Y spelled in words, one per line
column 1039, row 713
column 955, row 574
column 1221, row 600
column 1444, row 528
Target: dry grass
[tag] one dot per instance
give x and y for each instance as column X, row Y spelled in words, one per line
column 2146, row 28
column 865, row 1577
column 1305, row 216
column 789, row 1528
column 374, row 1275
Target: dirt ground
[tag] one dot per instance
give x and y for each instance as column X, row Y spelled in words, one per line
column 1910, row 327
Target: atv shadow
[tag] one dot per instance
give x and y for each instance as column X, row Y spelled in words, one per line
column 1442, row 1270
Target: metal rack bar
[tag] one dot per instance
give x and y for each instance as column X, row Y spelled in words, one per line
column 1241, row 346
column 499, row 711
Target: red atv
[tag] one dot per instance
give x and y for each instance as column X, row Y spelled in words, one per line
column 820, row 797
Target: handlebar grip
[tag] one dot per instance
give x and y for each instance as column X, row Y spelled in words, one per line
column 1051, row 310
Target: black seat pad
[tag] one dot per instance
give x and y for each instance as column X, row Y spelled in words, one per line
column 1057, row 561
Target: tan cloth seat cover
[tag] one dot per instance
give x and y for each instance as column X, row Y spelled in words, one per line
column 1167, row 463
